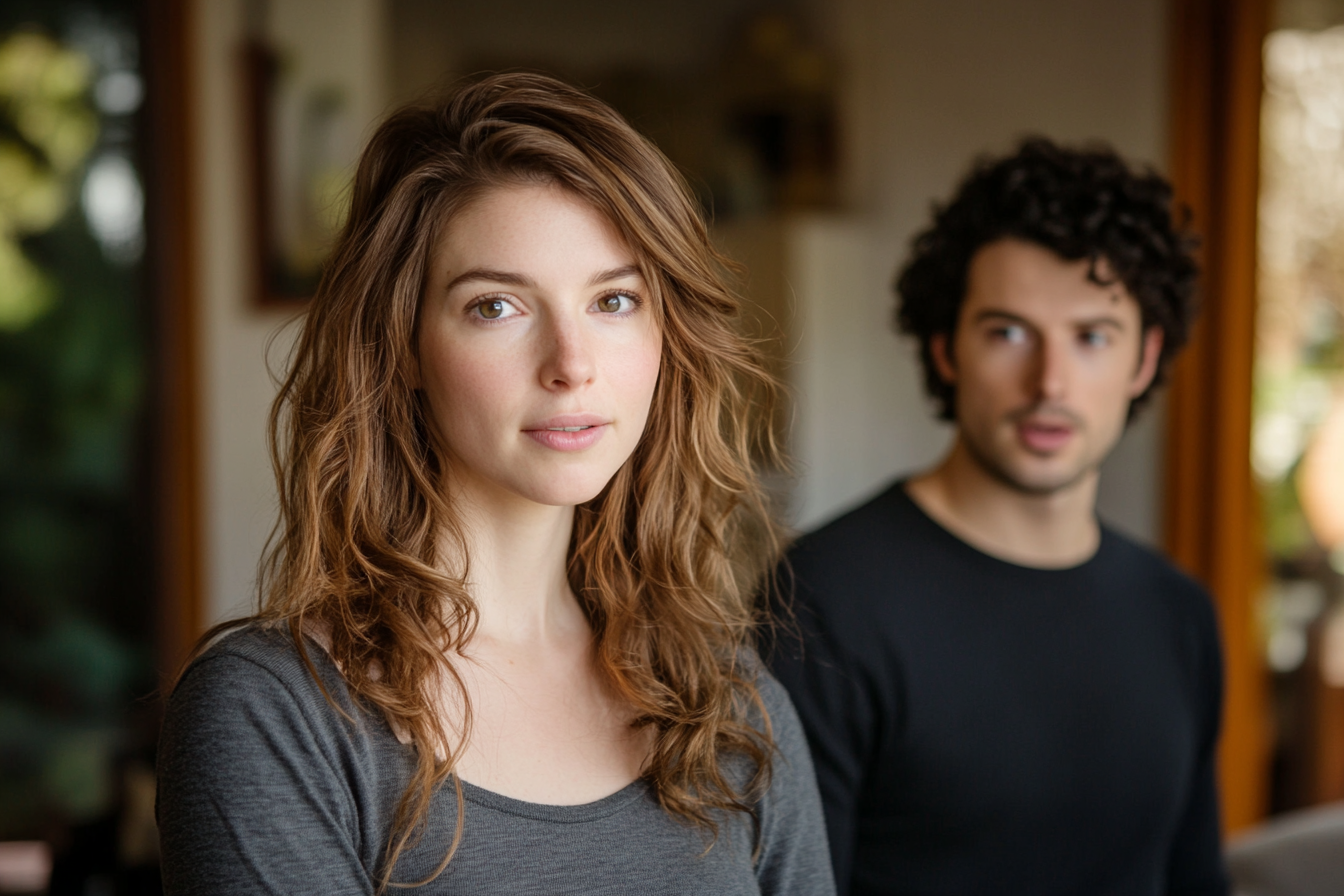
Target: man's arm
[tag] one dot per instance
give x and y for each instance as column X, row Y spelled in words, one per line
column 1195, row 866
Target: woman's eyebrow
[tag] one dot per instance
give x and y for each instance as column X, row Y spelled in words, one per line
column 620, row 273
column 508, row 278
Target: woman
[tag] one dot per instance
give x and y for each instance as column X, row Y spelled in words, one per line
column 504, row 640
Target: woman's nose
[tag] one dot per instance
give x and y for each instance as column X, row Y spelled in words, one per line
column 568, row 359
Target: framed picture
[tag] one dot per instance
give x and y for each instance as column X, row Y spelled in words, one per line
column 309, row 95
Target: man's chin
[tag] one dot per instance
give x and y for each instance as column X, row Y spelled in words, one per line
column 1028, row 473
column 1036, row 477
column 1041, row 483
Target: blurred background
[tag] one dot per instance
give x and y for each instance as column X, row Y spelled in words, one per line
column 171, row 172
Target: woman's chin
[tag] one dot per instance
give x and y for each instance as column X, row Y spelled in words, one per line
column 562, row 491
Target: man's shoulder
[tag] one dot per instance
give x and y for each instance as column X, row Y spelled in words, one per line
column 1125, row 552
column 1131, row 561
column 866, row 561
column 878, row 524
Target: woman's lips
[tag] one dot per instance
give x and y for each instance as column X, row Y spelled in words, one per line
column 570, row 432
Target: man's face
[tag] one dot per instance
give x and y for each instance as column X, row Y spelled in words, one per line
column 1045, row 364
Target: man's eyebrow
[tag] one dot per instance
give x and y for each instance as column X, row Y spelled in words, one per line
column 507, row 278
column 628, row 270
column 1104, row 320
column 995, row 314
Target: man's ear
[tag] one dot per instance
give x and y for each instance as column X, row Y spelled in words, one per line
column 1149, row 355
column 942, row 358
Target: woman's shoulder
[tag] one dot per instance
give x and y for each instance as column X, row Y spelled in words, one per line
column 251, row 704
column 261, row 642
column 785, row 728
column 772, row 713
column 258, row 671
column 794, row 856
column 252, row 648
column 252, row 756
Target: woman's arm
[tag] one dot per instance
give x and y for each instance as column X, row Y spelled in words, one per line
column 249, row 799
column 794, row 858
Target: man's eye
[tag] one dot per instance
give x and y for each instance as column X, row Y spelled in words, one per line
column 1094, row 338
column 617, row 302
column 1014, row 335
column 494, row 309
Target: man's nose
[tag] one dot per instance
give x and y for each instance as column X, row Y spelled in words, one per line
column 1052, row 369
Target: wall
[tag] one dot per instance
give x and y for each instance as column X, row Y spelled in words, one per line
column 236, row 336
column 926, row 85
column 438, row 39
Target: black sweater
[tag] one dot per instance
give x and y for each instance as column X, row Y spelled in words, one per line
column 980, row 727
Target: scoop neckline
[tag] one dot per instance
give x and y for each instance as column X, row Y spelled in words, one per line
column 557, row 814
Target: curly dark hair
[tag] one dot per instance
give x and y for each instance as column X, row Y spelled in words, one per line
column 1079, row 203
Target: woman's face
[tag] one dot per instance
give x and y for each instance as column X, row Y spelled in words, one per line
column 538, row 348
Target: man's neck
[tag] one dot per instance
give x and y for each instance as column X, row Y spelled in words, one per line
column 1054, row 530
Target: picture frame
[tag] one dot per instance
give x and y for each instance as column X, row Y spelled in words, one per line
column 302, row 146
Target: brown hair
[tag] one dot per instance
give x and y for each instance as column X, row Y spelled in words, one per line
column 655, row 559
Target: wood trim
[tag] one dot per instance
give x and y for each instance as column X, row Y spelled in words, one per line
column 166, row 28
column 1211, row 510
column 1327, row 742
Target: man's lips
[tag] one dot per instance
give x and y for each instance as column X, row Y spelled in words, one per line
column 568, row 432
column 1045, row 435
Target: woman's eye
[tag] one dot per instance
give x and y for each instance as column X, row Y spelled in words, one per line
column 494, row 309
column 616, row 303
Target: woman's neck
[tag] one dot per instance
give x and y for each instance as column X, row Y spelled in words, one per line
column 517, row 570
column 546, row 726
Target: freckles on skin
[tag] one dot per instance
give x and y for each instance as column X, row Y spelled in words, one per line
column 536, row 320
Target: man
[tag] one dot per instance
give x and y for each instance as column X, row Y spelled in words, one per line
column 1002, row 695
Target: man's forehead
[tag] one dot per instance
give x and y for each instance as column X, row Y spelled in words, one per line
column 1015, row 277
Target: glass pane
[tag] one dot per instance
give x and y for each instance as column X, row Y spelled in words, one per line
column 76, row 617
column 1298, row 442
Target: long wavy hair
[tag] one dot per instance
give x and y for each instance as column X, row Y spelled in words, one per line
column 664, row 561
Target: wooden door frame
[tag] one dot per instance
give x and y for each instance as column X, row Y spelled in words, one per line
column 1211, row 519
column 171, row 279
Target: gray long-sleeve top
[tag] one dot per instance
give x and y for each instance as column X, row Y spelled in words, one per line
column 265, row 788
